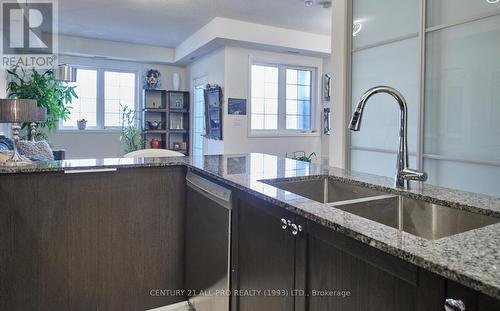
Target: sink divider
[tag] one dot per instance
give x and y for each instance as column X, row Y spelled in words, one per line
column 360, row 200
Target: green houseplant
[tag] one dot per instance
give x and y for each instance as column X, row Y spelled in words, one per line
column 130, row 134
column 54, row 95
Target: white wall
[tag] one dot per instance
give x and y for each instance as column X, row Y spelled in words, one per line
column 211, row 67
column 341, row 33
column 106, row 143
column 86, row 47
column 236, row 138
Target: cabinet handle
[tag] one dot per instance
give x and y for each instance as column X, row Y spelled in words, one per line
column 295, row 229
column 454, row 305
column 284, row 224
column 97, row 170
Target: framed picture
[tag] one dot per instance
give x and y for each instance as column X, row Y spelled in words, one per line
column 237, row 106
column 176, row 100
column 213, row 112
column 176, row 146
column 326, row 121
column 327, row 84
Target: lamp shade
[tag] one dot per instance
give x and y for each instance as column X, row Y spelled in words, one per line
column 41, row 114
column 65, row 73
column 18, row 110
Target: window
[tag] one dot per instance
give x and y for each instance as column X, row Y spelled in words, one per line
column 264, row 98
column 85, row 106
column 101, row 93
column 281, row 98
column 119, row 90
column 298, row 99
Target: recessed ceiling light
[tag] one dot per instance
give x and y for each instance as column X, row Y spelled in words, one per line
column 356, row 28
column 492, row 1
column 308, row 2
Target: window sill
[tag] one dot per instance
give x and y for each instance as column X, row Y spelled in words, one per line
column 88, row 131
column 271, row 134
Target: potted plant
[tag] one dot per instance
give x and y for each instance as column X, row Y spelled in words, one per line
column 130, row 135
column 54, row 95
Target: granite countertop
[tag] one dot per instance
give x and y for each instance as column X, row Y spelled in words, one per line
column 471, row 258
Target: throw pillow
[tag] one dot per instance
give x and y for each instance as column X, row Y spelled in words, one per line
column 36, row 151
column 5, row 144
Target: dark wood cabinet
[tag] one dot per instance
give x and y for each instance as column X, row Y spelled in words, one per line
column 263, row 257
column 92, row 241
column 171, row 110
column 344, row 274
column 323, row 270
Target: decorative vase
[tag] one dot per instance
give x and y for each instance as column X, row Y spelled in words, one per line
column 154, row 143
column 176, row 81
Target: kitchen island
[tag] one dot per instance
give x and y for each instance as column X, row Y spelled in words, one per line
column 125, row 187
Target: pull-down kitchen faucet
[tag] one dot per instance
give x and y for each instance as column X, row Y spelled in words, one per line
column 403, row 173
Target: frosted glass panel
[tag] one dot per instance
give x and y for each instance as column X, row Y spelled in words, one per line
column 396, row 65
column 462, row 109
column 449, row 11
column 384, row 19
column 378, row 163
column 464, row 176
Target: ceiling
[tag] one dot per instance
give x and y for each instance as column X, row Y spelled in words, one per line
column 168, row 22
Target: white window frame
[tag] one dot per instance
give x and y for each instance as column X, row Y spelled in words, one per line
column 282, row 131
column 100, row 106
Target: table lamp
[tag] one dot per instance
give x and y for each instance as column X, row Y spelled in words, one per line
column 17, row 111
column 41, row 116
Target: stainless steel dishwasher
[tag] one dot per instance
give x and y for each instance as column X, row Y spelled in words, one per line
column 208, row 236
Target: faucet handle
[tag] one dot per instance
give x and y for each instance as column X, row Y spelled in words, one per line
column 411, row 174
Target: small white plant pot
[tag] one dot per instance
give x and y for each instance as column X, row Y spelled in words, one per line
column 81, row 124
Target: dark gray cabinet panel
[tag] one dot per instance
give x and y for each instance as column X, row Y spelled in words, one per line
column 334, row 271
column 264, row 259
column 357, row 277
column 98, row 241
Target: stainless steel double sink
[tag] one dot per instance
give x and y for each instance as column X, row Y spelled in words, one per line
column 420, row 218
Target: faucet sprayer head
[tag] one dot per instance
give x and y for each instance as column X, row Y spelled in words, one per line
column 355, row 121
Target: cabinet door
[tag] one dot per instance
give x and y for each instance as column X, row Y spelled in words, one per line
column 97, row 241
column 263, row 257
column 344, row 274
column 49, row 239
column 141, row 237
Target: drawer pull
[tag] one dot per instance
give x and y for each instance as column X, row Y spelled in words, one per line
column 100, row 170
column 454, row 305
